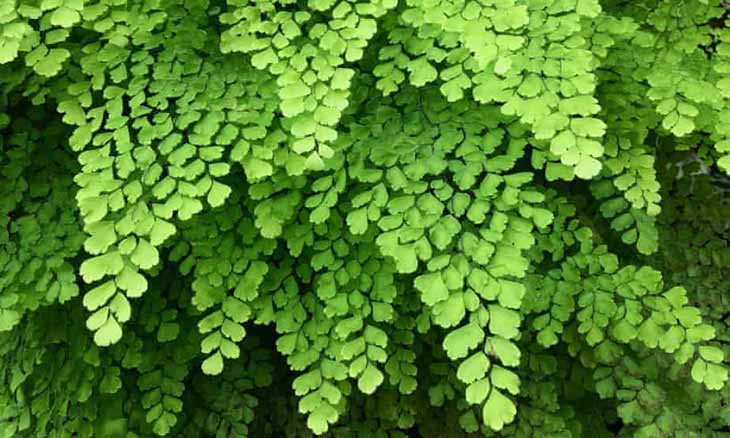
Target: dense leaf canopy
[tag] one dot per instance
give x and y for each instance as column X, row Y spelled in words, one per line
column 364, row 218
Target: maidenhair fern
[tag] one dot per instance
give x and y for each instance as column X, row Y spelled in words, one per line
column 364, row 218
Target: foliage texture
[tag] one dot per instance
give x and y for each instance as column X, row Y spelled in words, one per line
column 364, row 218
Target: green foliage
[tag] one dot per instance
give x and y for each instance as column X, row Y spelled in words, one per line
column 374, row 218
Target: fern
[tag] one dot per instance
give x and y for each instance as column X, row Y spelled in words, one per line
column 375, row 218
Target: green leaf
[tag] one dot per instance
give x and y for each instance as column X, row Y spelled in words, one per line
column 711, row 354
column 505, row 350
column 505, row 379
column 375, row 336
column 473, row 368
column 358, row 221
column 120, row 308
column 102, row 236
column 477, row 392
column 145, row 255
column 370, row 379
column 510, row 18
column 503, row 322
column 320, row 419
column 588, row 8
column 677, row 297
column 422, row 72
column 581, row 105
column 624, row 332
column 161, row 231
column 498, row 410
column 213, row 365
column 683, row 126
column 672, row 339
column 99, row 295
column 95, row 268
column 64, row 17
column 459, row 342
column 511, row 293
column 132, row 282
column 256, row 169
column 307, row 382
column 650, row 333
column 109, row 333
column 688, row 316
column 218, row 194
column 168, row 332
column 233, row 331
column 715, row 376
column 588, row 127
column 563, row 143
column 432, row 288
column 587, row 167
column 51, row 64
column 702, row 332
